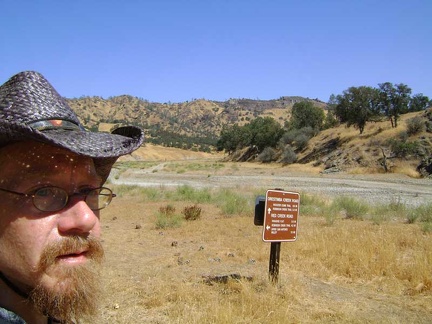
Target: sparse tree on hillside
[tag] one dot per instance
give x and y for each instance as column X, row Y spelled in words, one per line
column 394, row 100
column 330, row 118
column 265, row 132
column 419, row 102
column 358, row 105
column 232, row 138
column 305, row 114
column 261, row 132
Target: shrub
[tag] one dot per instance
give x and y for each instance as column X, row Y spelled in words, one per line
column 415, row 126
column 330, row 121
column 288, row 155
column 301, row 141
column 298, row 137
column 166, row 218
column 288, row 137
column 353, row 208
column 412, row 216
column 395, row 209
column 311, row 204
column 149, row 193
column 403, row 149
column 188, row 193
column 267, row 155
column 330, row 215
column 403, row 136
column 232, row 203
column 424, row 213
column 192, row 212
column 426, row 227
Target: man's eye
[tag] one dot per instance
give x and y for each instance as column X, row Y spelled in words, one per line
column 44, row 192
column 86, row 191
column 50, row 192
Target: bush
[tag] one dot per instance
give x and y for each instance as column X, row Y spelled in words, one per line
column 192, row 212
column 353, row 208
column 415, row 126
column 330, row 215
column 288, row 155
column 232, row 203
column 267, row 155
column 403, row 149
column 412, row 216
column 298, row 137
column 168, row 210
column 394, row 209
column 149, row 193
column 311, row 205
column 330, row 120
column 188, row 193
column 301, row 141
column 424, row 213
column 288, row 137
column 426, row 227
column 166, row 218
column 403, row 136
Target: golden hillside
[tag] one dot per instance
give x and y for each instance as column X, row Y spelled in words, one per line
column 196, row 124
column 342, row 148
column 197, row 118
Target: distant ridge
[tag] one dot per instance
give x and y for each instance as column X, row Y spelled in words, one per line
column 195, row 123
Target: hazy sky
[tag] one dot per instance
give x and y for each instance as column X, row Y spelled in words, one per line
column 167, row 50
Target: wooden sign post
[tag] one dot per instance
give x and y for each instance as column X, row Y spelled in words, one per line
column 280, row 224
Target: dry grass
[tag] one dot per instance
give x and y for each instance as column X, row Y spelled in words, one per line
column 151, row 152
column 338, row 271
column 362, row 153
column 350, row 272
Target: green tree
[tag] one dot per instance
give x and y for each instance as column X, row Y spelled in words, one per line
column 358, row 105
column 265, row 132
column 394, row 100
column 232, row 138
column 305, row 114
column 419, row 102
column 330, row 118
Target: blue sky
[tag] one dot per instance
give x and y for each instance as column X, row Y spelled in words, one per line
column 173, row 51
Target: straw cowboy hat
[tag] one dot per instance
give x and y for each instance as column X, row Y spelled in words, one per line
column 31, row 109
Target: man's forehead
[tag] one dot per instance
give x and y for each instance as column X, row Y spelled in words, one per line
column 38, row 152
column 41, row 159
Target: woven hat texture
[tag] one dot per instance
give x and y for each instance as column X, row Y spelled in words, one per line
column 31, row 109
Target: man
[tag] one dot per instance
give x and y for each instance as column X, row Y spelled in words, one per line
column 52, row 173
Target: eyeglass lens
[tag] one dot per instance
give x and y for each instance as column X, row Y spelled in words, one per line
column 54, row 199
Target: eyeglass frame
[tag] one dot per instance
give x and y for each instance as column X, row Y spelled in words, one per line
column 85, row 195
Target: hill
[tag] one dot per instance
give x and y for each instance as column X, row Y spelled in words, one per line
column 379, row 147
column 195, row 125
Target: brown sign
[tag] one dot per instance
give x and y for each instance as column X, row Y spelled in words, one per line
column 281, row 216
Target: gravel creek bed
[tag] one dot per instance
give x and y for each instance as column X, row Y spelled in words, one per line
column 375, row 189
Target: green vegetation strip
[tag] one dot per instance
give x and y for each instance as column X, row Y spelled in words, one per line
column 241, row 203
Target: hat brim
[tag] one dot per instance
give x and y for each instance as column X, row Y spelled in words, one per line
column 104, row 148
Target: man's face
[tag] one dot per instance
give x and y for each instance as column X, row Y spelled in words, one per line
column 41, row 253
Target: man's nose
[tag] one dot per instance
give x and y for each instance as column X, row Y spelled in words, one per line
column 78, row 218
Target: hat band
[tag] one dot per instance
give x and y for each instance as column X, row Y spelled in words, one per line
column 42, row 125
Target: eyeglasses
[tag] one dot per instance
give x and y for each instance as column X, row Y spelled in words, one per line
column 53, row 199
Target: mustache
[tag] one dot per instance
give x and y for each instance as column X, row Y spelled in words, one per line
column 90, row 245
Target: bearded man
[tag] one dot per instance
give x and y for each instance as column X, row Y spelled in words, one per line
column 52, row 175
